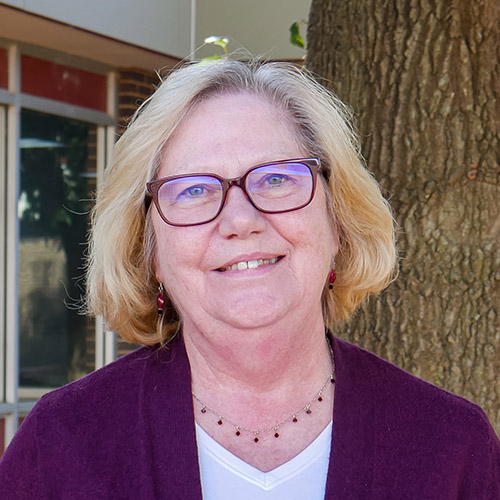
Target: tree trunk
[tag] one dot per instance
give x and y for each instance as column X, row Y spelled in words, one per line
column 423, row 78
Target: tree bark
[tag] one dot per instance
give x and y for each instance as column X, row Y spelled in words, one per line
column 423, row 78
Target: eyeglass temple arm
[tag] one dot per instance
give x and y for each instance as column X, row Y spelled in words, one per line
column 148, row 198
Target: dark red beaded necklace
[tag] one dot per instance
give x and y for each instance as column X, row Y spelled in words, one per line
column 292, row 418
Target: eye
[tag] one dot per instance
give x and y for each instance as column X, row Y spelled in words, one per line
column 195, row 191
column 198, row 193
column 275, row 179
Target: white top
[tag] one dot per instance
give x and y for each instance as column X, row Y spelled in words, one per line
column 224, row 476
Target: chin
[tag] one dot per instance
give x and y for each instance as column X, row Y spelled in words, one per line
column 252, row 312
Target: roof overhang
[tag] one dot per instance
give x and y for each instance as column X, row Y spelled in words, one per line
column 22, row 26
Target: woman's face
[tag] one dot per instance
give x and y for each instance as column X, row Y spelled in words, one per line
column 227, row 135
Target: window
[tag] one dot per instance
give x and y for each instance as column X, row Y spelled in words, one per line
column 58, row 174
column 57, row 123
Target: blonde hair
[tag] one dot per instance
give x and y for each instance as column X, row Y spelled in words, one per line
column 121, row 283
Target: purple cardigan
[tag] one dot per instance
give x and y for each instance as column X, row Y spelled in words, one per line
column 127, row 432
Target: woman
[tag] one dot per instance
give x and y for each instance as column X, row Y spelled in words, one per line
column 259, row 228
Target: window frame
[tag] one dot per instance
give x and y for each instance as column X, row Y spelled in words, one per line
column 12, row 100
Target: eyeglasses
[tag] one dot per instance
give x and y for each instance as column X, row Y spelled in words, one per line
column 276, row 187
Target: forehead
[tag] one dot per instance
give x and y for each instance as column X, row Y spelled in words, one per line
column 228, row 133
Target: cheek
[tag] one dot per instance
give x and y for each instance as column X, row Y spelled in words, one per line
column 170, row 258
column 326, row 226
column 165, row 250
column 178, row 251
column 320, row 245
column 315, row 231
column 314, row 248
column 160, row 259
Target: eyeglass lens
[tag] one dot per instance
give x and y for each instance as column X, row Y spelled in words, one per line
column 194, row 199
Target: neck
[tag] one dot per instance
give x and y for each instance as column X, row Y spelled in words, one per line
column 246, row 374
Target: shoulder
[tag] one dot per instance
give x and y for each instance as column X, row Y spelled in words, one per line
column 119, row 389
column 105, row 384
column 69, row 425
column 404, row 403
column 415, row 426
column 409, row 410
column 398, row 389
column 118, row 411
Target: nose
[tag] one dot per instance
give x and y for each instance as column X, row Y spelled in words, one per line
column 239, row 218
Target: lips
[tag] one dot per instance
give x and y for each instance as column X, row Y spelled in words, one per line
column 249, row 264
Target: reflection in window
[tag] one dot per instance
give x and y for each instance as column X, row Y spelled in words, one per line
column 57, row 179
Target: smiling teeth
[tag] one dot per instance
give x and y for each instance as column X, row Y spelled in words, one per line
column 250, row 264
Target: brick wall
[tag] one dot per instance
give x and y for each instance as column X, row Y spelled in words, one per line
column 134, row 86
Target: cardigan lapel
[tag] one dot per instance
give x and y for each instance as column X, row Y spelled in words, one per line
column 169, row 431
column 350, row 471
column 169, row 434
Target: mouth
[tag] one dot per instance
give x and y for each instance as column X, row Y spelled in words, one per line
column 250, row 264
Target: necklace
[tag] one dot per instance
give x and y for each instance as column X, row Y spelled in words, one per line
column 221, row 419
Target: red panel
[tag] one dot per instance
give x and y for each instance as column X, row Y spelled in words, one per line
column 3, row 69
column 63, row 83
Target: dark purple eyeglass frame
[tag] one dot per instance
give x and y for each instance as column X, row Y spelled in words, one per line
column 152, row 188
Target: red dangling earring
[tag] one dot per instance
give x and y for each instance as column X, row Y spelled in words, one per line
column 331, row 278
column 160, row 300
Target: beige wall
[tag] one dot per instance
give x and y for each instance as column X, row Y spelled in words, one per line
column 160, row 25
column 166, row 26
column 261, row 26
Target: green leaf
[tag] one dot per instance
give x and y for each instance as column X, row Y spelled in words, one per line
column 295, row 38
column 220, row 41
column 210, row 58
